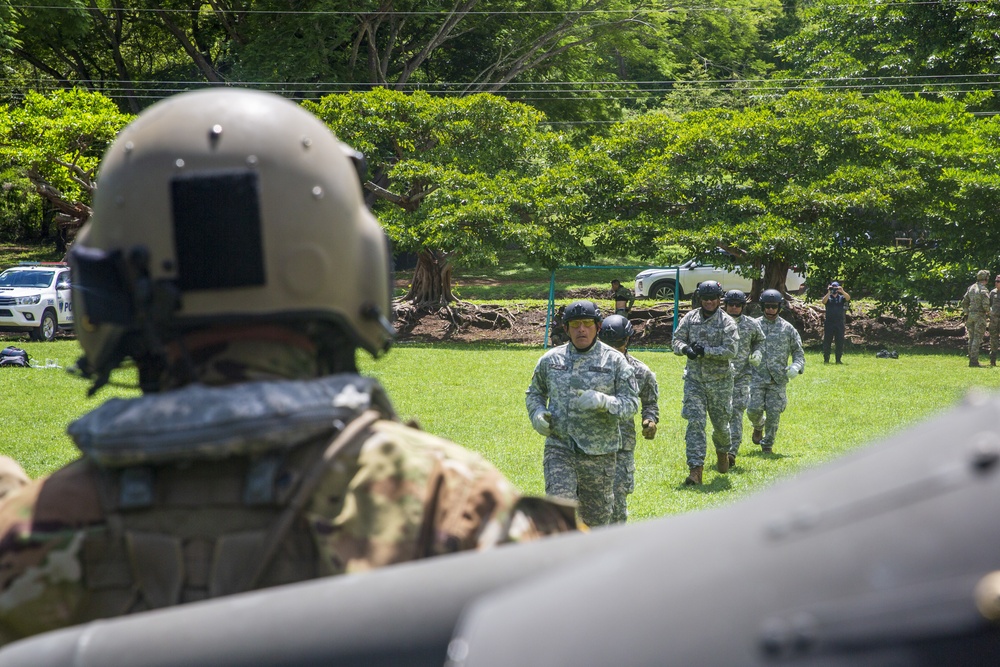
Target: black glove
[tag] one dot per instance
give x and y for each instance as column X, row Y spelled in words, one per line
column 699, row 350
column 691, row 352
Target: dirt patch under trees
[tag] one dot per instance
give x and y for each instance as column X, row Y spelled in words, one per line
column 464, row 322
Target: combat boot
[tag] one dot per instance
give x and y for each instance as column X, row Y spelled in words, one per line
column 766, row 449
column 993, row 358
column 974, row 363
column 758, row 435
column 723, row 460
column 695, row 477
column 732, row 460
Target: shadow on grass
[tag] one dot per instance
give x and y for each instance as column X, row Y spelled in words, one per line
column 718, row 483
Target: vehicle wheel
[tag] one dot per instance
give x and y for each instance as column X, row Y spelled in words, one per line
column 46, row 331
column 663, row 291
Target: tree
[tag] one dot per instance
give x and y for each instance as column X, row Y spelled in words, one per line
column 56, row 141
column 459, row 177
column 831, row 181
column 933, row 48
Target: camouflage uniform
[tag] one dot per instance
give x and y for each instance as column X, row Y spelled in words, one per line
column 580, row 450
column 208, row 490
column 976, row 308
column 994, row 323
column 767, row 386
column 649, row 394
column 623, row 294
column 751, row 340
column 708, row 380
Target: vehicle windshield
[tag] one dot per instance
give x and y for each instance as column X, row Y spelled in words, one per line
column 26, row 278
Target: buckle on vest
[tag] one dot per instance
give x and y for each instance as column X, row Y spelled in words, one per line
column 135, row 488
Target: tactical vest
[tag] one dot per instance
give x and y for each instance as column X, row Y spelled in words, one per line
column 204, row 488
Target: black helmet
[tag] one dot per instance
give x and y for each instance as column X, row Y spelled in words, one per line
column 580, row 310
column 735, row 296
column 710, row 289
column 615, row 330
column 770, row 296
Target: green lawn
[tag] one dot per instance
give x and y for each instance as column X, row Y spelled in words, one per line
column 475, row 396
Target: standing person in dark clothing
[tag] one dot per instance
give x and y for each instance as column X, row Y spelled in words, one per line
column 623, row 298
column 835, row 300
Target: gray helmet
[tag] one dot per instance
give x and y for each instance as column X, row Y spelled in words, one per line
column 615, row 330
column 771, row 296
column 226, row 206
column 710, row 289
column 582, row 309
column 735, row 297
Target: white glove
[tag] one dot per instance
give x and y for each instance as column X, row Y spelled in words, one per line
column 791, row 371
column 755, row 358
column 592, row 400
column 541, row 421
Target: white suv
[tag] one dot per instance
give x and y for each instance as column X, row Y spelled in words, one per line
column 660, row 284
column 36, row 299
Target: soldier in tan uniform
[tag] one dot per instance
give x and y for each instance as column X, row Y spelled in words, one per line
column 976, row 311
column 994, row 322
column 230, row 257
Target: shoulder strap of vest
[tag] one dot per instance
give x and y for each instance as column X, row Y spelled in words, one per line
column 357, row 429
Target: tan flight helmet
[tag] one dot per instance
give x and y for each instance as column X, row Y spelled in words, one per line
column 225, row 205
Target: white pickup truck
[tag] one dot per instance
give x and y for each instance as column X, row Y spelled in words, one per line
column 660, row 284
column 36, row 299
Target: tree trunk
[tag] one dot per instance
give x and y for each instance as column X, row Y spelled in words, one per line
column 431, row 280
column 775, row 276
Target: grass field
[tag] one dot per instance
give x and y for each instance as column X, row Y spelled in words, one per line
column 475, row 396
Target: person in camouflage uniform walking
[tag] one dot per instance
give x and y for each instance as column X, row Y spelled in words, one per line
column 231, row 257
column 748, row 356
column 578, row 394
column 994, row 322
column 709, row 338
column 616, row 332
column 768, row 397
column 623, row 298
column 976, row 311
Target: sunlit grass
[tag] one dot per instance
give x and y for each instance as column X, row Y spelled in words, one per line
column 475, row 396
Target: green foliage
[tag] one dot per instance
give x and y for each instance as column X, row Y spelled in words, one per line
column 52, row 144
column 470, row 176
column 61, row 137
column 939, row 49
column 824, row 180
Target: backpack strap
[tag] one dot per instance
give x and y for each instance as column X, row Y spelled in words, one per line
column 354, row 432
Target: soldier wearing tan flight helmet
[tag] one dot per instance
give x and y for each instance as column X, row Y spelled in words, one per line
column 231, row 258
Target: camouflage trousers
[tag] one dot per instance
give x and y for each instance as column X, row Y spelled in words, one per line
column 741, row 398
column 767, row 401
column 704, row 401
column 624, row 484
column 573, row 475
column 977, row 331
column 994, row 335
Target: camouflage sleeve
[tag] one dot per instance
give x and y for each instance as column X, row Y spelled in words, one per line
column 413, row 495
column 537, row 396
column 730, row 341
column 756, row 338
column 965, row 302
column 798, row 355
column 626, row 389
column 649, row 396
column 631, row 298
column 680, row 337
column 42, row 530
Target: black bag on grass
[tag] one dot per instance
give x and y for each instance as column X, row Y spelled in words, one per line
column 13, row 356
